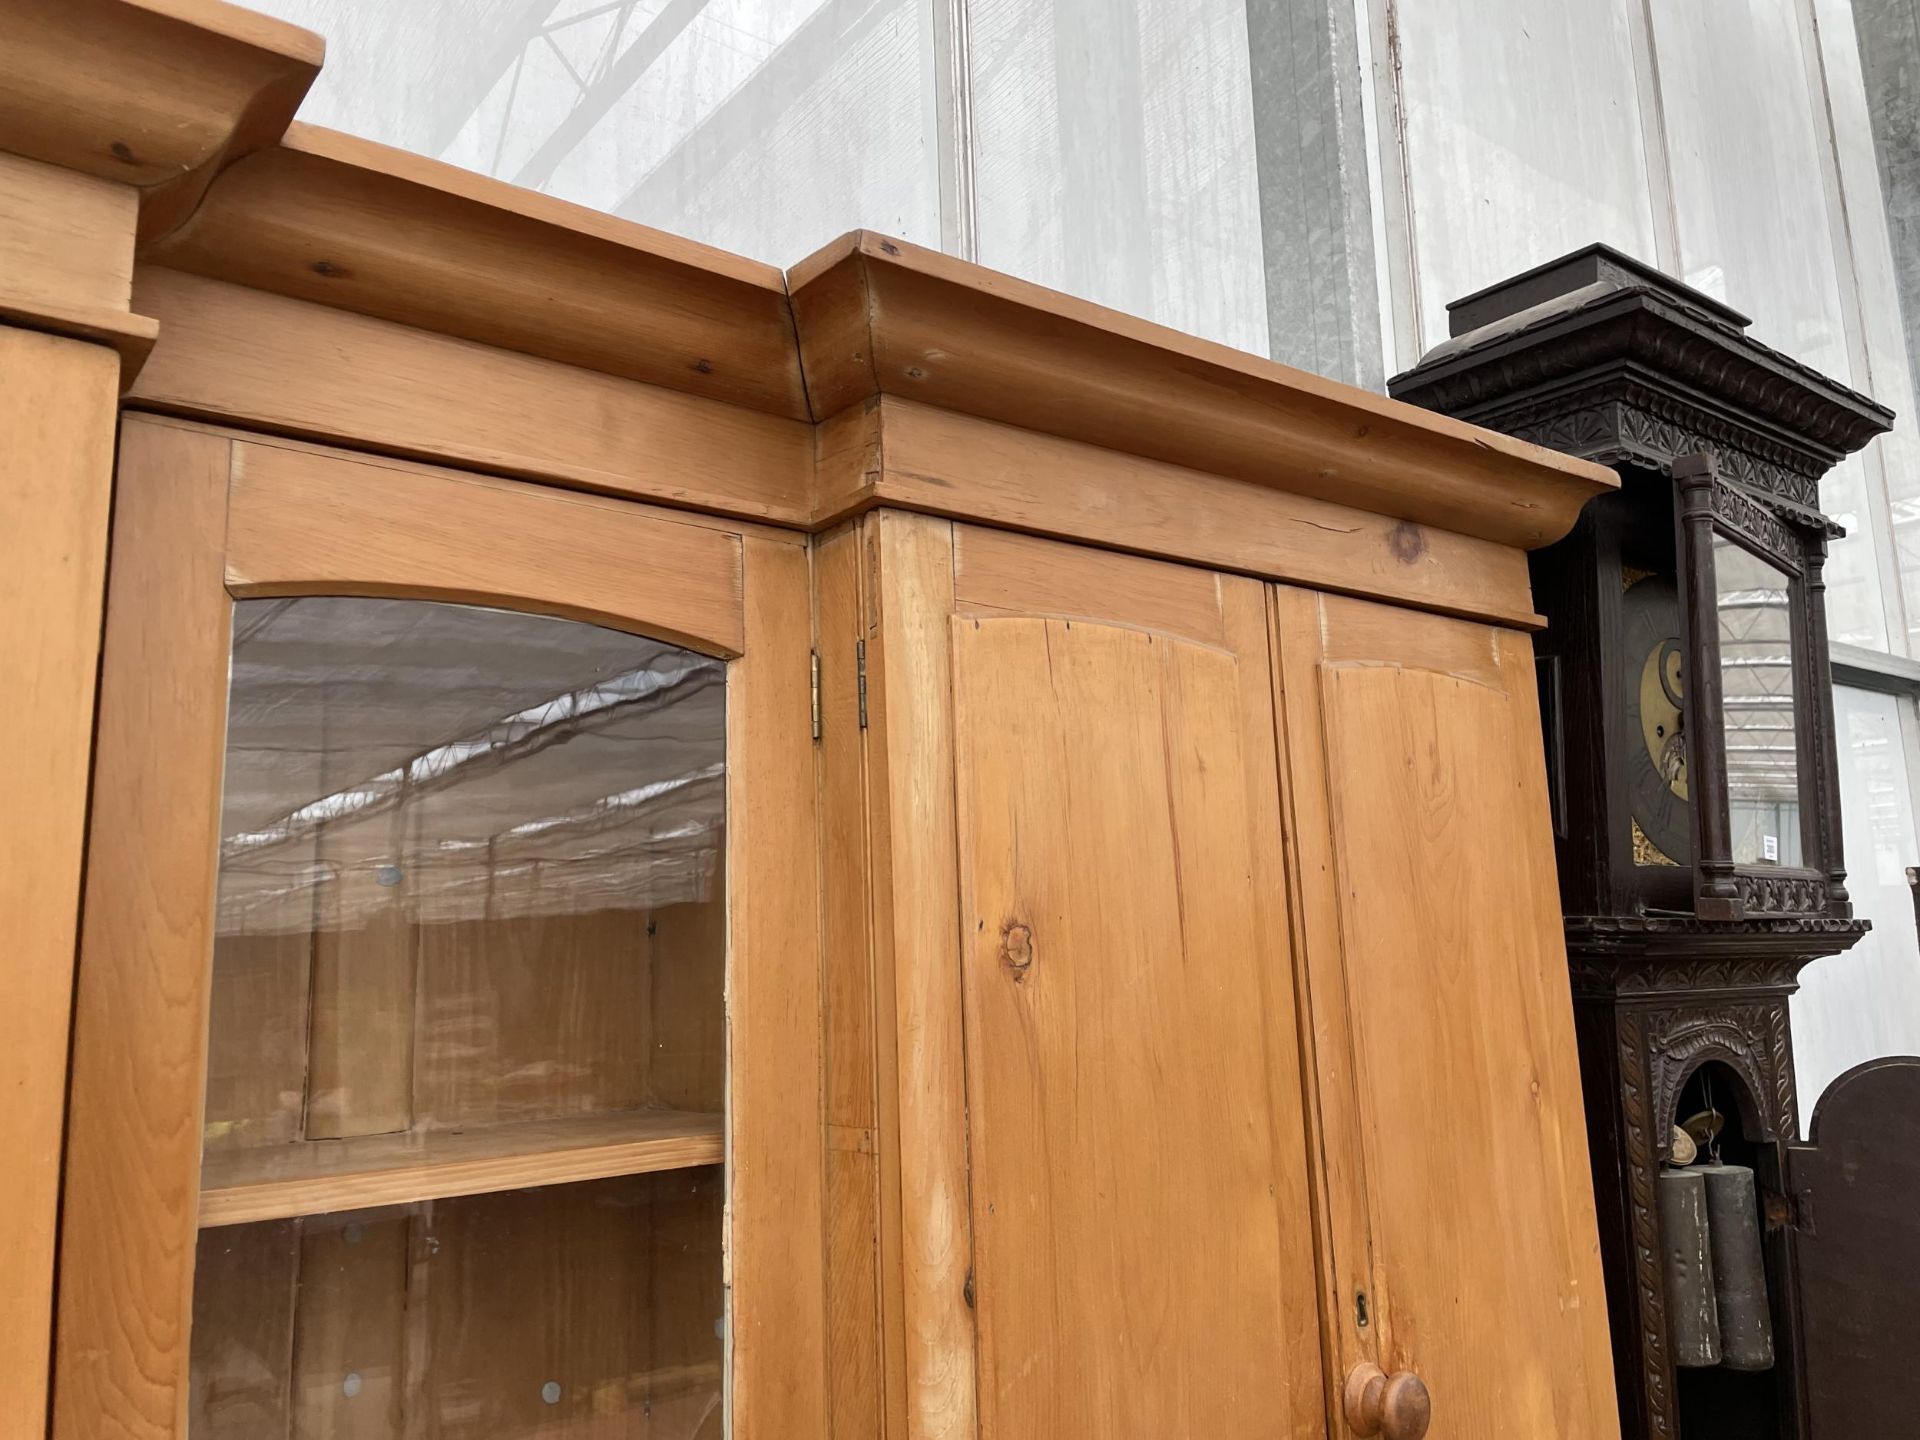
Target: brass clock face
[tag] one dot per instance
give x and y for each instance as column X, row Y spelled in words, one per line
column 1656, row 757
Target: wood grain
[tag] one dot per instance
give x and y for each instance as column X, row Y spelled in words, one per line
column 1462, row 1105
column 967, row 339
column 313, row 523
column 916, row 938
column 244, row 355
column 154, row 94
column 775, row 1144
column 840, row 622
column 1354, row 632
column 1336, row 1166
column 1024, row 576
column 855, row 1370
column 271, row 1182
column 855, row 1381
column 348, row 223
column 131, row 1191
column 999, row 573
column 130, row 336
column 955, row 465
column 65, row 238
column 56, row 460
column 1123, row 1083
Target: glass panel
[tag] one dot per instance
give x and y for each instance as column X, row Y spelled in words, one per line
column 1757, row 684
column 576, row 1310
column 471, row 939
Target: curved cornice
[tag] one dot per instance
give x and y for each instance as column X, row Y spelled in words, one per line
column 881, row 317
column 156, row 94
column 358, row 226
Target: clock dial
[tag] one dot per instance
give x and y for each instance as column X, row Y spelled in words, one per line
column 1654, row 688
column 1660, row 714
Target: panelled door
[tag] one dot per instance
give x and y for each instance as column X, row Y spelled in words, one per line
column 1136, row 1179
column 1463, row 1235
column 444, row 1028
column 1230, row 912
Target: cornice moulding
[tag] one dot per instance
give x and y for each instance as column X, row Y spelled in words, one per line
column 878, row 316
column 358, row 226
column 156, row 94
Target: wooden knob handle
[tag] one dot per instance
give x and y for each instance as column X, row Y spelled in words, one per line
column 1394, row 1407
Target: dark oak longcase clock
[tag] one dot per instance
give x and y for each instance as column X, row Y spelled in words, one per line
column 1687, row 708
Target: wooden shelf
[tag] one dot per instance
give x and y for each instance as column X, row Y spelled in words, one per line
column 315, row 1177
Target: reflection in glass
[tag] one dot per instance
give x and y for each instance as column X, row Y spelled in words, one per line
column 471, row 941
column 1757, row 681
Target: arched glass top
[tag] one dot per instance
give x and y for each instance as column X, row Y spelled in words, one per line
column 480, row 763
column 464, row 1121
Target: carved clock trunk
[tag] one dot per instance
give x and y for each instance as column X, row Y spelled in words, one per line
column 1688, row 719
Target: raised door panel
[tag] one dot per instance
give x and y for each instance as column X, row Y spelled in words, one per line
column 1141, row 1225
column 1442, row 1025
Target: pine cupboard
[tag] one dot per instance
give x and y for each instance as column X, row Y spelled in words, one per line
column 672, row 849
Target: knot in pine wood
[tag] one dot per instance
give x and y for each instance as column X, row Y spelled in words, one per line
column 1016, row 948
column 1407, row 541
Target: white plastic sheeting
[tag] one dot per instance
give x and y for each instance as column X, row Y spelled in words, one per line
column 1751, row 202
column 1866, row 1002
column 1113, row 148
column 766, row 127
column 1523, row 141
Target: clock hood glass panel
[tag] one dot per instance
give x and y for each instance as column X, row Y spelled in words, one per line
column 1758, row 679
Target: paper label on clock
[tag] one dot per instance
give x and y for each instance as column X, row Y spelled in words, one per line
column 1770, row 847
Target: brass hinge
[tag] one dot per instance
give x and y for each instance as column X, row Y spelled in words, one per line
column 816, row 694
column 860, row 664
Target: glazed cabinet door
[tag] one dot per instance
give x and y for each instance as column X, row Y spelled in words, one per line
column 1464, row 1249
column 441, row 1047
column 1130, row 1159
